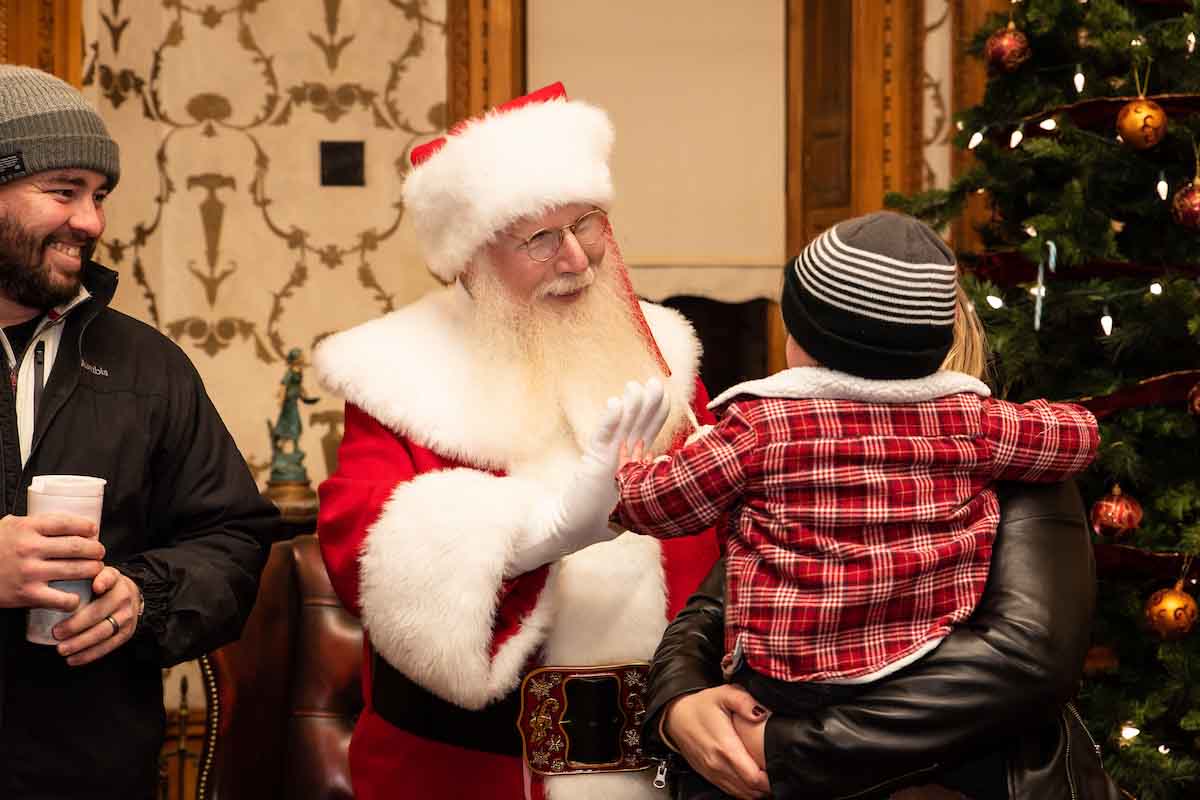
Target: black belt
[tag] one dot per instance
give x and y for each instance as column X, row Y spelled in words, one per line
column 399, row 701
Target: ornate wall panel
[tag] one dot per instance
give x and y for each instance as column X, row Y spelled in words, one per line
column 225, row 237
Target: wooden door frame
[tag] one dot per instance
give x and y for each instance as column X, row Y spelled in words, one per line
column 47, row 34
column 886, row 119
column 486, row 53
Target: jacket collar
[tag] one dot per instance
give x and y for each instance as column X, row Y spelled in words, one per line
column 819, row 383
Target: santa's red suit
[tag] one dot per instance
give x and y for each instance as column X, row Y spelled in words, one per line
column 433, row 488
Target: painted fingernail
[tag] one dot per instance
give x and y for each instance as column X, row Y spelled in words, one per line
column 758, row 711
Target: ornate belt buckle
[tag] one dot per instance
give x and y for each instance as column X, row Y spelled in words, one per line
column 584, row 719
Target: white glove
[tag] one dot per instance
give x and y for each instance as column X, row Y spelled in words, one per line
column 578, row 516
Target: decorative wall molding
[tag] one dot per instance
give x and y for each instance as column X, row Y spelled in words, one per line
column 42, row 33
column 485, row 50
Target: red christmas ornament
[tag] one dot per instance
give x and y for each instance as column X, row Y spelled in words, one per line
column 1100, row 658
column 1185, row 205
column 1116, row 514
column 1007, row 49
column 1194, row 400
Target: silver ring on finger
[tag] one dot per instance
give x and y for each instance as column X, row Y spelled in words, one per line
column 114, row 623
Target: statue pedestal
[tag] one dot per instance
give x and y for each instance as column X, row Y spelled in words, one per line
column 297, row 504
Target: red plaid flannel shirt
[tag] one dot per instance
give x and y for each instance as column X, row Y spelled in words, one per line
column 856, row 533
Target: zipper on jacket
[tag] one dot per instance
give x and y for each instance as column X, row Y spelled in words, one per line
column 1079, row 718
column 39, row 370
column 660, row 777
column 1067, row 758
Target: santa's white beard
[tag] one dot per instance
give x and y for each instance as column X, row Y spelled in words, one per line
column 565, row 359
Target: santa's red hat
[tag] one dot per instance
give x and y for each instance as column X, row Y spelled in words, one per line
column 521, row 159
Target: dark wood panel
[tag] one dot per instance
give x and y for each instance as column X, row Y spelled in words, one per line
column 828, row 103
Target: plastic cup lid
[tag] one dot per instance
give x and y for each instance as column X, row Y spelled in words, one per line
column 68, row 485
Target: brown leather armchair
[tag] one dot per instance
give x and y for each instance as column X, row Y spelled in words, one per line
column 282, row 701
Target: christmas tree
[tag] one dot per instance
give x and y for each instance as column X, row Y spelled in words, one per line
column 1085, row 274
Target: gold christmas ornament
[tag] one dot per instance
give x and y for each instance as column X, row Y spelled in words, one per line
column 1171, row 613
column 1142, row 123
column 1116, row 514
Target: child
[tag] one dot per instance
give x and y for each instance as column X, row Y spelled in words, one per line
column 853, row 490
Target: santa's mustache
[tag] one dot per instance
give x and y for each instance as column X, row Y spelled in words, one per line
column 567, row 284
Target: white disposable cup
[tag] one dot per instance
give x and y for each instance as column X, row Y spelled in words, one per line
column 78, row 495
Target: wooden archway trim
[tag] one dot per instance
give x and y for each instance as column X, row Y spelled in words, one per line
column 485, row 50
column 47, row 34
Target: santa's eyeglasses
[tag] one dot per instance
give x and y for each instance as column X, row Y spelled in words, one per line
column 588, row 230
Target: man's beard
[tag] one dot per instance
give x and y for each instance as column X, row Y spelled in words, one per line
column 25, row 276
column 565, row 359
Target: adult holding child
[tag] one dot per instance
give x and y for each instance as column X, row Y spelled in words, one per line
column 855, row 492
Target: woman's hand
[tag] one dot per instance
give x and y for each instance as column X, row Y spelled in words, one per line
column 701, row 726
column 753, row 735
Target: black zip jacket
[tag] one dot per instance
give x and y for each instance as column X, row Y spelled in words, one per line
column 182, row 517
column 999, row 681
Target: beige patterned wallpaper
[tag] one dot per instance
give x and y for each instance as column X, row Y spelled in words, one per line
column 938, row 84
column 223, row 234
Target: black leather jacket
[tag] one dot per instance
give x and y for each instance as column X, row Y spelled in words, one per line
column 1000, row 680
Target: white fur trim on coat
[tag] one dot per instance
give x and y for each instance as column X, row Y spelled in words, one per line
column 429, row 572
column 820, row 383
column 418, row 373
column 434, row 560
column 501, row 168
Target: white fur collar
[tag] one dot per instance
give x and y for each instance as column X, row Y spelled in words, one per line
column 416, row 372
column 819, row 383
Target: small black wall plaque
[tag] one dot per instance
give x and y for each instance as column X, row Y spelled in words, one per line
column 342, row 164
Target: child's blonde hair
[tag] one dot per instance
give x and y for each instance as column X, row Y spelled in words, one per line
column 969, row 352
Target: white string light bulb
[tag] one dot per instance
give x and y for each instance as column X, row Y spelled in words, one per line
column 1191, row 43
column 976, row 138
column 1031, row 231
column 1162, row 186
column 1037, row 291
column 1106, row 324
column 1015, row 139
column 1156, row 288
column 1162, row 748
column 1137, row 41
column 1048, row 124
column 994, row 301
column 959, row 125
column 1079, row 79
column 1128, row 731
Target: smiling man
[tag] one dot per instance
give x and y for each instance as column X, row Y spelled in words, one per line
column 174, row 564
column 464, row 411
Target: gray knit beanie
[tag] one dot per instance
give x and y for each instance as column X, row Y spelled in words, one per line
column 873, row 296
column 46, row 124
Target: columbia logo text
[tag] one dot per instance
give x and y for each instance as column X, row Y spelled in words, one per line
column 92, row 368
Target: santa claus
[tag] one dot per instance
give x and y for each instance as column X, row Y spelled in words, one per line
column 465, row 412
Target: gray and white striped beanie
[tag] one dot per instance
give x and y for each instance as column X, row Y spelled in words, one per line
column 873, row 296
column 46, row 124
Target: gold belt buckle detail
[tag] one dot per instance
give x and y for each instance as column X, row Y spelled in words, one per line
column 584, row 719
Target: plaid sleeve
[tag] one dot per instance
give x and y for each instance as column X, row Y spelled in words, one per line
column 1039, row 441
column 686, row 492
